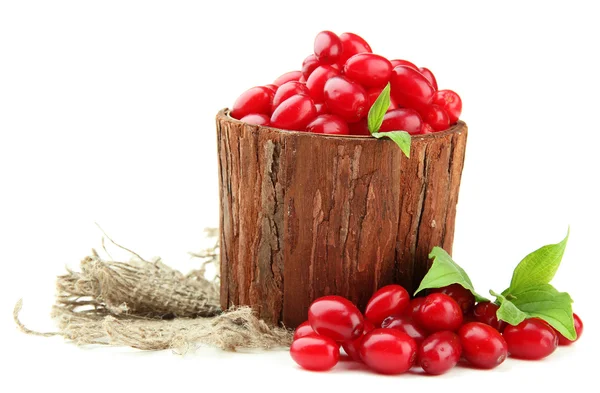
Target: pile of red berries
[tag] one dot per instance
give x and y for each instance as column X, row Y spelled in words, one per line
column 396, row 333
column 337, row 86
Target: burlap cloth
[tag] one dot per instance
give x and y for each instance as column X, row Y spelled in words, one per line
column 148, row 305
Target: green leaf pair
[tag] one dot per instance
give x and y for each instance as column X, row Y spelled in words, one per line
column 375, row 119
column 530, row 294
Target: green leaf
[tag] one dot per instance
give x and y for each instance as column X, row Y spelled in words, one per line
column 444, row 271
column 378, row 109
column 541, row 301
column 402, row 139
column 539, row 267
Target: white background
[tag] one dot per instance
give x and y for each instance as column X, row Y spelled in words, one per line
column 107, row 115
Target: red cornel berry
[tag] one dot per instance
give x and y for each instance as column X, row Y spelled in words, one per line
column 388, row 351
column 335, row 317
column 345, row 99
column 352, row 44
column 328, row 124
column 388, row 300
column 328, row 47
column 439, row 352
column 532, row 339
column 450, row 102
column 315, row 353
column 303, row 330
column 407, row 325
column 485, row 312
column 294, row 113
column 352, row 347
column 460, row 294
column 255, row 100
column 440, row 312
column 562, row 340
column 410, row 88
column 368, row 69
column 483, row 346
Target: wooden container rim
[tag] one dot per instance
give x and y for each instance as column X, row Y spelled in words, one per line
column 455, row 129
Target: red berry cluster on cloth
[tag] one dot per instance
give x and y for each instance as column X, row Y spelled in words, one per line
column 434, row 332
column 337, row 86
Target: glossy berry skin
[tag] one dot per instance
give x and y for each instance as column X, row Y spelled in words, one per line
column 315, row 353
column 482, row 345
column 287, row 90
column 317, row 79
column 328, row 47
column 294, row 113
column 460, row 294
column 485, row 312
column 388, row 351
column 388, row 300
column 255, row 100
column 309, row 65
column 368, row 69
column 426, row 129
column 328, row 124
column 450, row 102
column 288, row 77
column 439, row 352
column 352, row 347
column 440, row 312
column 360, row 127
column 402, row 119
column 436, row 117
column 415, row 306
column 352, row 44
column 303, row 330
column 321, row 109
column 345, row 99
column 272, row 87
column 335, row 317
column 562, row 340
column 257, row 119
column 430, row 77
column 407, row 63
column 407, row 325
column 532, row 339
column 410, row 88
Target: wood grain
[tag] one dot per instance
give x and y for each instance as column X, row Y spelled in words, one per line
column 305, row 215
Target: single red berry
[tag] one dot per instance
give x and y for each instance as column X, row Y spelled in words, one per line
column 288, row 77
column 402, row 119
column 315, row 353
column 309, row 65
column 415, row 306
column 328, row 124
column 407, row 63
column 360, row 127
column 426, row 129
column 352, row 347
column 368, row 69
column 257, row 119
column 345, row 99
column 272, row 87
column 485, row 312
column 483, row 346
column 303, row 330
column 410, row 88
column 352, row 44
column 460, row 294
column 430, row 77
column 532, row 339
column 386, row 301
column 328, row 47
column 388, row 351
column 440, row 312
column 407, row 325
column 255, row 100
column 450, row 101
column 294, row 113
column 439, row 352
column 335, row 317
column 562, row 340
column 317, row 79
column 287, row 90
column 436, row 116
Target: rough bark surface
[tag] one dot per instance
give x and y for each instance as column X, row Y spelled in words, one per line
column 306, row 215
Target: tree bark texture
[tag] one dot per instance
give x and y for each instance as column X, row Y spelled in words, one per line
column 306, row 215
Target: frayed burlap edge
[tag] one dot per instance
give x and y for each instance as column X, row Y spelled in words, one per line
column 149, row 306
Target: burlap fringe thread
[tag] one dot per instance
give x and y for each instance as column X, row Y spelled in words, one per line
column 147, row 305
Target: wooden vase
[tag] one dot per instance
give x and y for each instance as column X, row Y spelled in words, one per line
column 306, row 215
